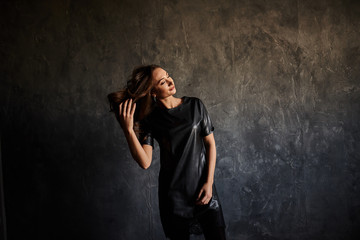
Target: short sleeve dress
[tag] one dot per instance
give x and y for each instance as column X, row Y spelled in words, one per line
column 183, row 166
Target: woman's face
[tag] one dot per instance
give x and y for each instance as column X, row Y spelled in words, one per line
column 163, row 84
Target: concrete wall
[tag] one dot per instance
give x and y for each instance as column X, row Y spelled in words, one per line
column 280, row 80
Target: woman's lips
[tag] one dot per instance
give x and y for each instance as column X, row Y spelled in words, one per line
column 172, row 88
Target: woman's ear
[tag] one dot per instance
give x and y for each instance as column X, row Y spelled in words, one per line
column 153, row 94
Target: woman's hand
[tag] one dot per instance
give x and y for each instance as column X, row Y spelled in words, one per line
column 126, row 114
column 205, row 194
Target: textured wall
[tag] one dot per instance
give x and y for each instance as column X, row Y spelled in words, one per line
column 280, row 80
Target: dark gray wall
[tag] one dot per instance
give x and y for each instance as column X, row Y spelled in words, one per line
column 281, row 82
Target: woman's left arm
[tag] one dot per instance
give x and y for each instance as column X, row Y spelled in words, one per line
column 205, row 193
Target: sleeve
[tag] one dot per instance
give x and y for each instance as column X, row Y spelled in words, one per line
column 206, row 123
column 145, row 136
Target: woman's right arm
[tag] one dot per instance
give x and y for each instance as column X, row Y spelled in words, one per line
column 142, row 154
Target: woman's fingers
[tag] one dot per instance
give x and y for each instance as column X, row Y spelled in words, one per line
column 129, row 107
column 125, row 107
column 133, row 109
column 205, row 200
column 203, row 197
column 126, row 112
column 200, row 193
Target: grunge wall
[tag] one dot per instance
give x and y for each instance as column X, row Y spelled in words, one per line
column 280, row 80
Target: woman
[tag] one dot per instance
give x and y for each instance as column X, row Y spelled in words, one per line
column 147, row 109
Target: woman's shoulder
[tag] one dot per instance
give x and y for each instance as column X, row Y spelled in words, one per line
column 193, row 99
column 196, row 101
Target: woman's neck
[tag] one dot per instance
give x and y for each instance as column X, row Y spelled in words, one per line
column 170, row 102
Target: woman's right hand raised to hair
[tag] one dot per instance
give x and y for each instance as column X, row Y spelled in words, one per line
column 126, row 114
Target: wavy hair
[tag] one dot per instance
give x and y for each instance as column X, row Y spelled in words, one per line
column 138, row 87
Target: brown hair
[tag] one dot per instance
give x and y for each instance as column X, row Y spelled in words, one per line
column 138, row 87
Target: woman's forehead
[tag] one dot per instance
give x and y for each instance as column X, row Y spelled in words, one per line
column 159, row 73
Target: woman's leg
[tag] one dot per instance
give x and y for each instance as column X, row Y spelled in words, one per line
column 179, row 228
column 209, row 222
column 214, row 233
column 183, row 237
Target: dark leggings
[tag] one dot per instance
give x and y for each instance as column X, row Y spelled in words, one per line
column 210, row 233
column 208, row 226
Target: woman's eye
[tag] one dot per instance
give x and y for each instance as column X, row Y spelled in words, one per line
column 162, row 83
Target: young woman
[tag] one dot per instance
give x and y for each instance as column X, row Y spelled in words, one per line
column 146, row 110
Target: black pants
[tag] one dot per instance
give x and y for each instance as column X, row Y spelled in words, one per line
column 208, row 224
column 210, row 233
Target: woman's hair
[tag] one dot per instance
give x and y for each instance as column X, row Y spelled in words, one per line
column 138, row 87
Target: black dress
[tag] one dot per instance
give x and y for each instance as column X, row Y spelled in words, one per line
column 183, row 166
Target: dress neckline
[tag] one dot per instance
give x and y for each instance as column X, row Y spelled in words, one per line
column 177, row 107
